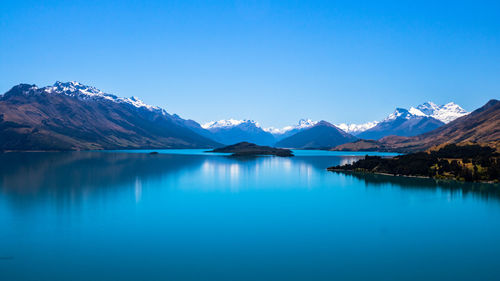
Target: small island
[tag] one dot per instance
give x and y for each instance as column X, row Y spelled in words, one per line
column 457, row 162
column 251, row 149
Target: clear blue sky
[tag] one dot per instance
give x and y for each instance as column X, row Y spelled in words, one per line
column 272, row 61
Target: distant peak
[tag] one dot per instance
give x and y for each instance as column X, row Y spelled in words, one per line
column 74, row 83
column 324, row 123
column 429, row 103
column 444, row 113
column 303, row 123
column 398, row 113
column 356, row 128
column 229, row 123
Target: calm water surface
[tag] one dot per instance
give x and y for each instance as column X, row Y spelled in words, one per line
column 186, row 215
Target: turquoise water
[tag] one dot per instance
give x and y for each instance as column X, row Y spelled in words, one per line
column 187, row 215
column 297, row 152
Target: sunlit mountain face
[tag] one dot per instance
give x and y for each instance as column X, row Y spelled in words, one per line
column 444, row 113
column 402, row 122
column 72, row 116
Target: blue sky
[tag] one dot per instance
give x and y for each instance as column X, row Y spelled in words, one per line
column 272, row 61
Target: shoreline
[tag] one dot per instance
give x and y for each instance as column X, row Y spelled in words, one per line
column 409, row 176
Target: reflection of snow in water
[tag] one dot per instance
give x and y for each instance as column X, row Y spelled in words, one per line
column 138, row 189
column 237, row 174
column 222, row 172
column 305, row 172
column 234, row 173
column 287, row 164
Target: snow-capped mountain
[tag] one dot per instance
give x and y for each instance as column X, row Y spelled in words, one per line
column 231, row 131
column 402, row 122
column 321, row 135
column 304, row 124
column 356, row 128
column 72, row 116
column 402, row 113
column 76, row 89
column 444, row 113
column 291, row 130
column 227, row 123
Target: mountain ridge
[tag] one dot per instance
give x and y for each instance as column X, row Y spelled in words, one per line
column 72, row 116
column 321, row 135
column 402, row 122
column 233, row 131
column 480, row 126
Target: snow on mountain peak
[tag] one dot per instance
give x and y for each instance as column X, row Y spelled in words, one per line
column 399, row 113
column 73, row 87
column 444, row 113
column 428, row 107
column 356, row 128
column 84, row 92
column 306, row 123
column 228, row 123
column 416, row 112
column 302, row 124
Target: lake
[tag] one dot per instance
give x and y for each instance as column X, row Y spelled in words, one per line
column 188, row 215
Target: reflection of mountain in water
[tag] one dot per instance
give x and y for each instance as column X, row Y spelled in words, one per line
column 76, row 174
column 376, row 180
column 70, row 177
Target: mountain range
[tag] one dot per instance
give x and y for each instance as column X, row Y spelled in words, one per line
column 232, row 131
column 480, row 126
column 407, row 122
column 72, row 116
column 402, row 122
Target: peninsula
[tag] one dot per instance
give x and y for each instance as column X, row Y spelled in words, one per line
column 464, row 163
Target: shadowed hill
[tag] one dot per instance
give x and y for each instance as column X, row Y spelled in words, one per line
column 321, row 135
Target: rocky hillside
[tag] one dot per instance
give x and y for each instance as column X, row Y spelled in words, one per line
column 72, row 116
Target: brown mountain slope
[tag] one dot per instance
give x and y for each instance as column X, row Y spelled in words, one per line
column 362, row 145
column 481, row 126
column 53, row 118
